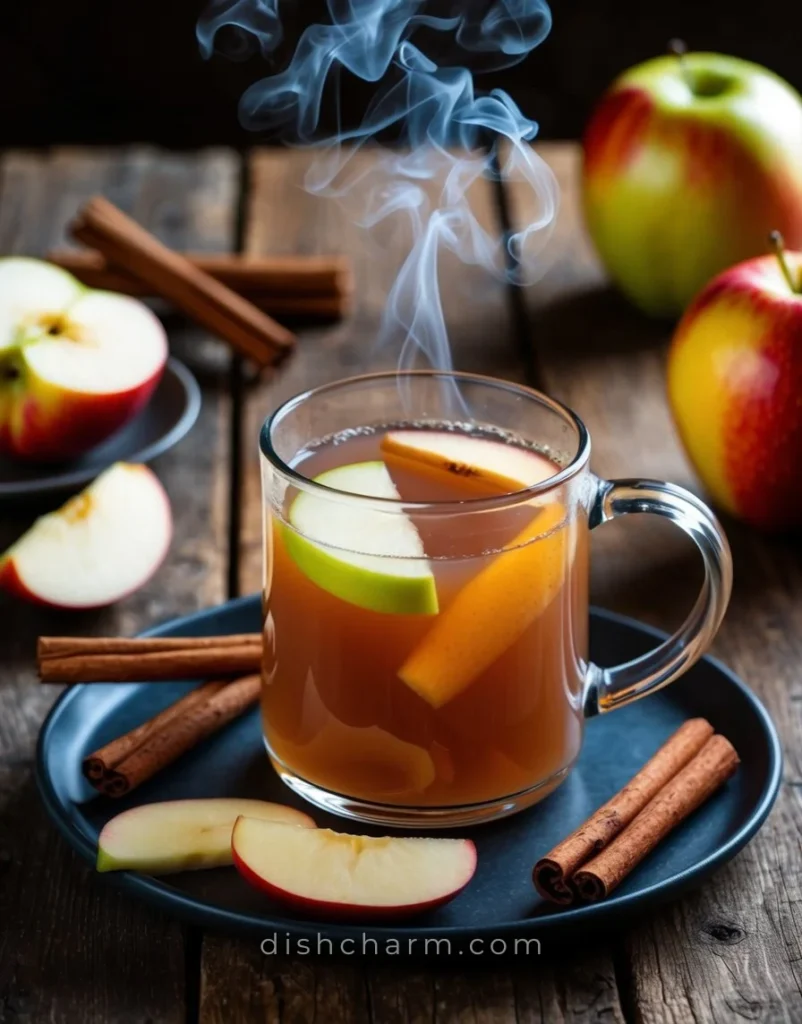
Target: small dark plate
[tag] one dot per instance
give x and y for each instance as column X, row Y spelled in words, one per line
column 500, row 902
column 168, row 416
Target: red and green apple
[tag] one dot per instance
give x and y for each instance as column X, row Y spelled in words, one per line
column 689, row 161
column 734, row 385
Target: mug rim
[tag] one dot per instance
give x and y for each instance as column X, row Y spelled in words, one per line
column 578, row 461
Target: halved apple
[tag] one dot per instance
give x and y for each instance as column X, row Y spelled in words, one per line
column 103, row 544
column 482, row 465
column 493, row 610
column 370, row 558
column 341, row 875
column 75, row 364
column 182, row 835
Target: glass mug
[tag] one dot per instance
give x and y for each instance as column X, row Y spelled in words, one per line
column 426, row 609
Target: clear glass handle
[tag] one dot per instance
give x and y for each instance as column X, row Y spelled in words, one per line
column 609, row 688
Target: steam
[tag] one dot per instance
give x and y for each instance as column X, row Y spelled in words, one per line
column 451, row 133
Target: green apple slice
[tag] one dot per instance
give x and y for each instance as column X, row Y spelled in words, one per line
column 367, row 557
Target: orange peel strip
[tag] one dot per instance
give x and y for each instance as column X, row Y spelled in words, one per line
column 493, row 610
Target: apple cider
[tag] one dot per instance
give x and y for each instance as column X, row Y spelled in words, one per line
column 417, row 656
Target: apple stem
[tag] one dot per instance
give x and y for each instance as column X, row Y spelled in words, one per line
column 679, row 48
column 777, row 244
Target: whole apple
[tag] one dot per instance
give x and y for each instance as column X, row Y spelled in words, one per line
column 734, row 384
column 689, row 161
column 75, row 364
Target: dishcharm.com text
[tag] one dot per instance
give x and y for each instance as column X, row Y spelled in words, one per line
column 367, row 945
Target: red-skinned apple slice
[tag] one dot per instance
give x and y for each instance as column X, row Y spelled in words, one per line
column 103, row 544
column 345, row 876
column 485, row 466
column 182, row 835
column 75, row 364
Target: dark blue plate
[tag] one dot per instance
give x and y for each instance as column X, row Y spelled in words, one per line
column 500, row 902
column 168, row 416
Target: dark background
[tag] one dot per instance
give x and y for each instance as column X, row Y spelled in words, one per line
column 107, row 71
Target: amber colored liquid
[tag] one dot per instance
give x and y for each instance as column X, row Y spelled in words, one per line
column 337, row 714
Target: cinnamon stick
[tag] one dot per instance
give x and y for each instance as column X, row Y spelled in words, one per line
column 97, row 766
column 72, row 646
column 304, row 307
column 163, row 746
column 697, row 781
column 124, row 243
column 142, row 659
column 552, row 873
column 284, row 277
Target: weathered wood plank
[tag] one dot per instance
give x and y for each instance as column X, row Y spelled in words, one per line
column 282, row 218
column 554, row 991
column 70, row 948
column 241, row 984
column 734, row 948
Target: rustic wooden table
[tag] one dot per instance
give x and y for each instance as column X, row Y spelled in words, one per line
column 76, row 951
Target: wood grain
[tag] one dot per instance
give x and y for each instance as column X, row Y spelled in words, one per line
column 72, row 949
column 480, row 321
column 569, row 989
column 733, row 949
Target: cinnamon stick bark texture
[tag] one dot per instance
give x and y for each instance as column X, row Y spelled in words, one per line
column 292, row 287
column 255, row 335
column 193, row 722
column 552, row 873
column 97, row 766
column 697, row 781
column 304, row 307
column 290, row 275
column 144, row 659
column 74, row 646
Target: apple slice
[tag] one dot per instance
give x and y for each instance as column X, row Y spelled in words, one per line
column 103, row 544
column 342, row 875
column 485, row 466
column 182, row 835
column 364, row 556
column 75, row 364
column 493, row 610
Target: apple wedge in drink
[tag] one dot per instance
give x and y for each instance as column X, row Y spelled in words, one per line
column 483, row 466
column 324, row 872
column 360, row 554
column 182, row 835
column 75, row 364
